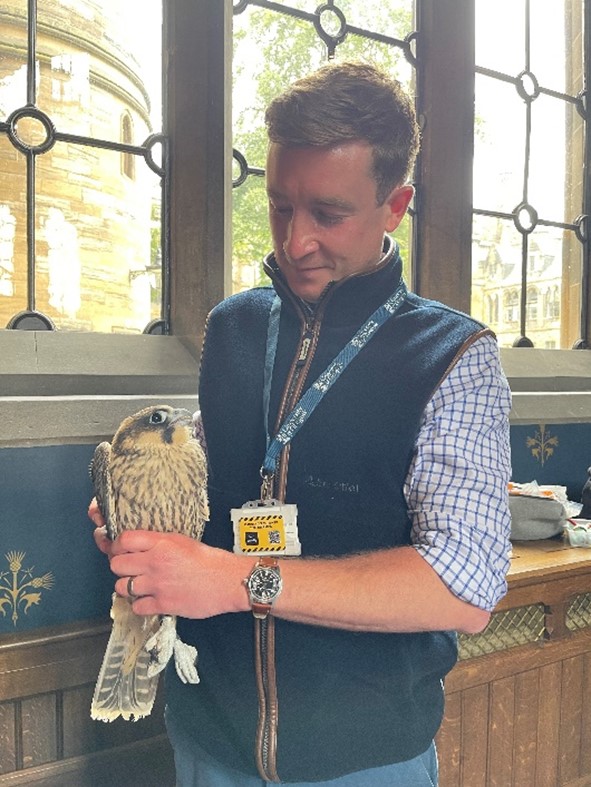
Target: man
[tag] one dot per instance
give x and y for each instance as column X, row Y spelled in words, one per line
column 396, row 456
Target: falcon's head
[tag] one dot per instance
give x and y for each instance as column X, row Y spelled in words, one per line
column 159, row 426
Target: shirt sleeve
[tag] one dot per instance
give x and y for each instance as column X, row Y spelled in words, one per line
column 457, row 485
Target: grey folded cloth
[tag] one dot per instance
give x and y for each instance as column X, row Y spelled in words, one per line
column 535, row 518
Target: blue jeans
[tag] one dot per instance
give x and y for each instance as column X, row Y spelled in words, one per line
column 195, row 768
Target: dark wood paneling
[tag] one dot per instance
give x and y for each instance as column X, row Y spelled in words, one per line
column 47, row 736
column 51, row 659
column 444, row 196
column 200, row 211
column 7, row 737
column 141, row 764
column 39, row 730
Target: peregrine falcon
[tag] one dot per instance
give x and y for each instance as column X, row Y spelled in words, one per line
column 152, row 476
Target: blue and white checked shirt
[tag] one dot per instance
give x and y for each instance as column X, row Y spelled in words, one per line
column 457, row 485
column 456, row 488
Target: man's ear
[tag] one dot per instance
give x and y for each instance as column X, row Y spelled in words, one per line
column 397, row 203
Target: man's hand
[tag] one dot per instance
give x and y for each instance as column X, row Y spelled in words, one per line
column 101, row 539
column 175, row 575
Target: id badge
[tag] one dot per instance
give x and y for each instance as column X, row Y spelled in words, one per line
column 266, row 527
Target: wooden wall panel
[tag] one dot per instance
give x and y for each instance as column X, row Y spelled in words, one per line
column 550, row 679
column 448, row 741
column 525, row 728
column 529, row 730
column 500, row 745
column 7, row 737
column 46, row 734
column 474, row 737
column 585, row 755
column 570, row 719
column 39, row 730
column 79, row 733
column 520, row 716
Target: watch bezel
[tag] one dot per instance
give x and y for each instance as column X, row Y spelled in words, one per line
column 260, row 573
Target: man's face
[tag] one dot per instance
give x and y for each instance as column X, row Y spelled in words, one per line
column 325, row 220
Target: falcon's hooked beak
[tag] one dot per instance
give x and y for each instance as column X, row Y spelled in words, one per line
column 180, row 426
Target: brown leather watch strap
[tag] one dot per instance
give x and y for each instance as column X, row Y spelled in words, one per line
column 260, row 610
column 268, row 561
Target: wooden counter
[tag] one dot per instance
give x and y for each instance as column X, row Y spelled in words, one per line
column 518, row 703
column 534, row 559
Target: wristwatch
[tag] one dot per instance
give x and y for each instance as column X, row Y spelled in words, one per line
column 264, row 584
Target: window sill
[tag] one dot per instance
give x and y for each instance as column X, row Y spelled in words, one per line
column 548, row 386
column 75, row 388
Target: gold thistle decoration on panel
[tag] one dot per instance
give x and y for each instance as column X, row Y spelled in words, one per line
column 19, row 589
column 542, row 445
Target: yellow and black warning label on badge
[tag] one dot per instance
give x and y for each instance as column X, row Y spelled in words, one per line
column 262, row 533
column 266, row 528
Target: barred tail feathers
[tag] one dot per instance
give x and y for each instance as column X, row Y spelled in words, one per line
column 123, row 687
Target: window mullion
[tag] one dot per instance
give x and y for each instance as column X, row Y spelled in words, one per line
column 446, row 109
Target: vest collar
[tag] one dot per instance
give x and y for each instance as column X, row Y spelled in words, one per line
column 348, row 300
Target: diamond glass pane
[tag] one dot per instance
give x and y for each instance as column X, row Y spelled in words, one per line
column 578, row 614
column 505, row 630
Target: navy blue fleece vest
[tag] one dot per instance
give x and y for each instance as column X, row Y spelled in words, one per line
column 347, row 701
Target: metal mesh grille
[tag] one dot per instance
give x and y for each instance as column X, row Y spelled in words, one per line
column 578, row 614
column 506, row 630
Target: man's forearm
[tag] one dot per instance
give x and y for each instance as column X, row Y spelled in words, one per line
column 393, row 590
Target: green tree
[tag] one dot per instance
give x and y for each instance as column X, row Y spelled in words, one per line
column 271, row 50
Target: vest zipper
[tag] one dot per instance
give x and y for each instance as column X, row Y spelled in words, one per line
column 267, row 728
column 266, row 739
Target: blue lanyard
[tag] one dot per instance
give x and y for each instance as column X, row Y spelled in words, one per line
column 313, row 396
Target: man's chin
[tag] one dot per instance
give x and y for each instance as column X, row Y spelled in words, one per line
column 309, row 286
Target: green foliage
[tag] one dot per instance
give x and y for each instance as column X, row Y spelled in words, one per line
column 271, row 50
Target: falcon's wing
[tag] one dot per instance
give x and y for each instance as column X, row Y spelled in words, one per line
column 201, row 490
column 101, row 479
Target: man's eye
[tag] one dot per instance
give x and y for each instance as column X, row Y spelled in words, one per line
column 328, row 219
column 281, row 211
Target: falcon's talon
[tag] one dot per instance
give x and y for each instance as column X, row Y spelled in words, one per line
column 160, row 645
column 185, row 661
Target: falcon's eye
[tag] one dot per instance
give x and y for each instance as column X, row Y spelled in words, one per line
column 158, row 417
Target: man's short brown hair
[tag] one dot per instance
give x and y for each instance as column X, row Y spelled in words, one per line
column 350, row 101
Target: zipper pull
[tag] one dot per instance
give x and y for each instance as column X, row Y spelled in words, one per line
column 305, row 347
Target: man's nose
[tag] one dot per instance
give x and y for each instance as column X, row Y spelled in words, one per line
column 301, row 237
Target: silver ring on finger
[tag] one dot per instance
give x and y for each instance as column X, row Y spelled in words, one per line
column 130, row 592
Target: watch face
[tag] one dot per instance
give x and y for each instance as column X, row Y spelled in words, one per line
column 264, row 585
